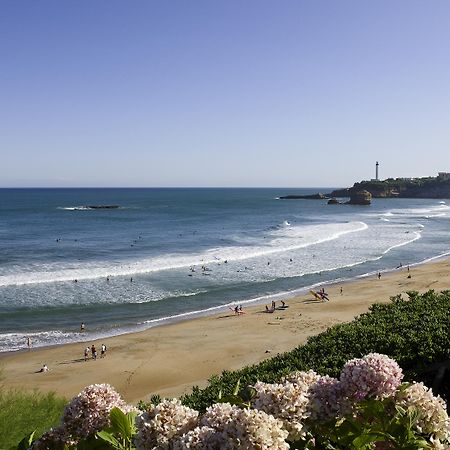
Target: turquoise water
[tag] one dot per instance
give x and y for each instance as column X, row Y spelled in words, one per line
column 253, row 246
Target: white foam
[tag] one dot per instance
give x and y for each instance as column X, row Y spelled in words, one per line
column 280, row 240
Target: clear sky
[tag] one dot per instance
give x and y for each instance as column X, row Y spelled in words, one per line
column 282, row 93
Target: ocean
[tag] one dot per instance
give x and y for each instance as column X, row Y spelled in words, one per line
column 169, row 254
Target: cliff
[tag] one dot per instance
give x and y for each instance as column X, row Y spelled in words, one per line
column 430, row 187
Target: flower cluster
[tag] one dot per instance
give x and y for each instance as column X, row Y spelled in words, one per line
column 326, row 400
column 88, row 412
column 287, row 402
column 303, row 404
column 55, row 438
column 374, row 376
column 432, row 417
column 236, row 428
column 302, row 378
column 163, row 423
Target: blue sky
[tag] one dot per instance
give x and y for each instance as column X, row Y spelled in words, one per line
column 222, row 93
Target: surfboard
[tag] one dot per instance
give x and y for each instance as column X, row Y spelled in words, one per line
column 316, row 296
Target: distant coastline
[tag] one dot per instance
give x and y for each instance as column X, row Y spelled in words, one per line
column 427, row 187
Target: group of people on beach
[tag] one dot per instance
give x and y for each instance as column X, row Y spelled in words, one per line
column 93, row 352
column 273, row 306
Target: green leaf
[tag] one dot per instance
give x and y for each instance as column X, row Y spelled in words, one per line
column 120, row 422
column 236, row 388
column 26, row 442
column 108, row 437
column 365, row 439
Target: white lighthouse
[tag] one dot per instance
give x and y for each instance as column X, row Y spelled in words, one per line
column 376, row 171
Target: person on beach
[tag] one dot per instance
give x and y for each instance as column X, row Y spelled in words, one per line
column 29, row 343
column 44, row 368
column 103, row 351
column 379, row 275
column 94, row 352
column 86, row 353
column 82, row 327
column 341, row 290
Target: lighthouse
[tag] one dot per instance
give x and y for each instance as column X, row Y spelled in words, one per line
column 376, row 171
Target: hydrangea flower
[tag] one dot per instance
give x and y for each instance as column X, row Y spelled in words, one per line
column 433, row 418
column 163, row 423
column 88, row 412
column 55, row 438
column 200, row 438
column 287, row 402
column 244, row 428
column 374, row 375
column 302, row 378
column 326, row 400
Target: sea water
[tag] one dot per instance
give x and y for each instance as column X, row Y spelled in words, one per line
column 169, row 254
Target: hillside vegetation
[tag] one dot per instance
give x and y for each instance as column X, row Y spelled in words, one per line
column 414, row 332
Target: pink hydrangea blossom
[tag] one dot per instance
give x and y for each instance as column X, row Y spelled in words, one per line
column 326, row 399
column 374, row 375
column 55, row 438
column 88, row 412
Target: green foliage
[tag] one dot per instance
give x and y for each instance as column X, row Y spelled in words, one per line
column 374, row 421
column 24, row 412
column 120, row 434
column 414, row 332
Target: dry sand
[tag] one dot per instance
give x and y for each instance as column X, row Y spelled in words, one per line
column 170, row 359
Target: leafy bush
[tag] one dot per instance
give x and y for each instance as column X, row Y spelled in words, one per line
column 414, row 332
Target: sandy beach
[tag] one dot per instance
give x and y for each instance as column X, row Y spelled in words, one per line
column 171, row 359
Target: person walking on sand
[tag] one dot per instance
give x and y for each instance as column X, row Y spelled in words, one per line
column 86, row 353
column 103, row 351
column 379, row 275
column 94, row 352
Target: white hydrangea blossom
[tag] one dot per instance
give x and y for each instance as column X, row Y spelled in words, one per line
column 287, row 402
column 243, row 429
column 88, row 412
column 433, row 418
column 163, row 423
column 201, row 438
column 301, row 377
column 217, row 416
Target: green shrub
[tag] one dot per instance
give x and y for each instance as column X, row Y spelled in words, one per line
column 23, row 412
column 414, row 332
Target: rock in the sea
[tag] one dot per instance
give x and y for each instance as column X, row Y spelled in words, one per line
column 318, row 196
column 333, row 201
column 360, row 198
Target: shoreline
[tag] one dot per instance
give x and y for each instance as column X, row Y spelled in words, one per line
column 169, row 359
column 220, row 309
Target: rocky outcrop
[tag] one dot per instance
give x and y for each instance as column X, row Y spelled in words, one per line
column 360, row 198
column 333, row 201
column 318, row 196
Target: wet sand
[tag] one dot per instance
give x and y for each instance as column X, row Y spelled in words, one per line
column 169, row 360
